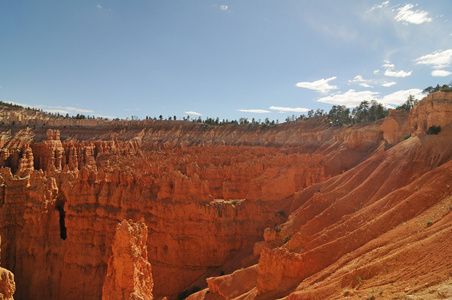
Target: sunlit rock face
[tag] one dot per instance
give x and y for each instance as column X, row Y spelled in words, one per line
column 298, row 209
column 434, row 110
column 129, row 273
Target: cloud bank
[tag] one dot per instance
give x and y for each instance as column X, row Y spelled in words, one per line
column 321, row 86
column 353, row 98
column 193, row 113
column 377, row 6
column 441, row 73
column 407, row 15
column 390, row 72
column 254, row 111
column 388, row 84
column 289, row 109
column 361, row 81
column 437, row 60
column 400, row 97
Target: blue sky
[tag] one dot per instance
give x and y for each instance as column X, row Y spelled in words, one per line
column 228, row 59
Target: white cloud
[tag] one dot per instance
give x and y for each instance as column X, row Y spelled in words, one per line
column 441, row 73
column 351, row 98
column 357, row 78
column 438, row 59
column 367, row 83
column 254, row 111
column 321, row 86
column 99, row 6
column 289, row 109
column 193, row 113
column 224, row 7
column 67, row 109
column 401, row 73
column 377, row 6
column 388, row 84
column 361, row 81
column 400, row 97
column 60, row 109
column 21, row 104
column 376, row 72
column 390, row 72
column 407, row 15
column 388, row 64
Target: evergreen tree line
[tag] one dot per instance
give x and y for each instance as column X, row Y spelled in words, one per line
column 11, row 105
column 366, row 111
column 438, row 88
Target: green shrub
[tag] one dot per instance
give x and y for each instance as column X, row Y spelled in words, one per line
column 281, row 213
column 433, row 130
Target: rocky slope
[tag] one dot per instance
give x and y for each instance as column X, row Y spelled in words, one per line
column 299, row 210
column 379, row 230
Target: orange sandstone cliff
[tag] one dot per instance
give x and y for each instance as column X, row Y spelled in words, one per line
column 7, row 284
column 379, row 230
column 129, row 273
column 302, row 210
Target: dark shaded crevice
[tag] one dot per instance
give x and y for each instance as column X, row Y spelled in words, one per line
column 63, row 230
column 59, row 205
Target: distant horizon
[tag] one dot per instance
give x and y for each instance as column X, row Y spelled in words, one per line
column 218, row 121
column 226, row 59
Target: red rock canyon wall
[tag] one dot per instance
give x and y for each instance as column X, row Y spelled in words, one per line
column 208, row 200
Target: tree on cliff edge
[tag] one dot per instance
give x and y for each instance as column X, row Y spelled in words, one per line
column 340, row 115
column 408, row 104
column 438, row 88
column 369, row 111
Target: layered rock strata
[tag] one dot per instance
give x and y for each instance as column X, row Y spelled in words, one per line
column 360, row 233
column 129, row 273
column 215, row 199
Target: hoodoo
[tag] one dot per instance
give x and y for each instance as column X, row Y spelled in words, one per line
column 96, row 209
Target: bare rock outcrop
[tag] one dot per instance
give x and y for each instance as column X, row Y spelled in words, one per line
column 7, row 284
column 273, row 200
column 395, row 126
column 434, row 110
column 129, row 273
column 361, row 232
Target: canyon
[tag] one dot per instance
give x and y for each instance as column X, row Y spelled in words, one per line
column 98, row 209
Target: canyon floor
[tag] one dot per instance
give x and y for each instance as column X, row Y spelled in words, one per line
column 97, row 209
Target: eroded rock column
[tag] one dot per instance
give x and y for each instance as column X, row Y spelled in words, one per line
column 129, row 273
